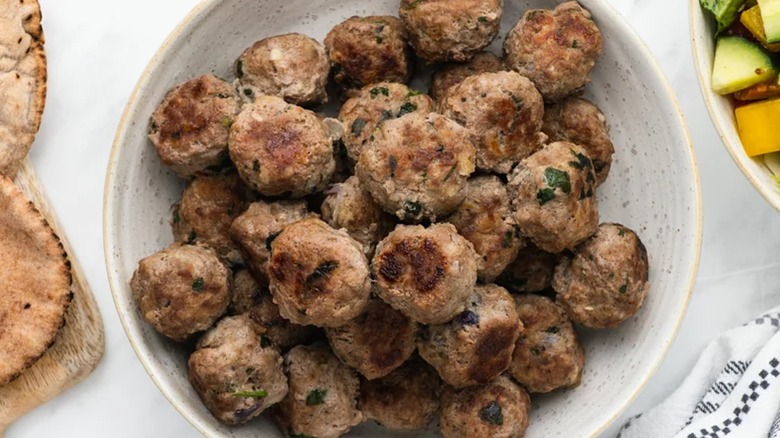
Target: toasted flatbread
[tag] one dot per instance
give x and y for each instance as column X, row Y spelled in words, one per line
column 35, row 283
column 22, row 80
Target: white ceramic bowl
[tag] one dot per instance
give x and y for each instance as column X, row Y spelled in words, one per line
column 653, row 188
column 702, row 28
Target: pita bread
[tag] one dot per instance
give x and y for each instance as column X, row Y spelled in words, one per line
column 35, row 282
column 22, row 80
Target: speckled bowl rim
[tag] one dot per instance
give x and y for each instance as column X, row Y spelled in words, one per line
column 735, row 148
column 206, row 5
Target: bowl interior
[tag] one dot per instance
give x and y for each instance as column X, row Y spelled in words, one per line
column 653, row 189
column 721, row 109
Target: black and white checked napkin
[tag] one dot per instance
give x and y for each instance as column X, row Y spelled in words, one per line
column 732, row 391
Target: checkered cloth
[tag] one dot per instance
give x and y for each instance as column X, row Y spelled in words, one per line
column 732, row 391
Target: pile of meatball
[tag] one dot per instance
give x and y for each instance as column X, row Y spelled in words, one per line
column 418, row 257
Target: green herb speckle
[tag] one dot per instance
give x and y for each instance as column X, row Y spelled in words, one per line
column 316, row 397
column 545, row 195
column 407, row 108
column 260, row 393
column 553, row 329
column 414, row 208
column 376, row 91
column 198, row 284
column 557, row 179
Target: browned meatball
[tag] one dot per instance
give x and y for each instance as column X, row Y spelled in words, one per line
column 452, row 74
column 504, row 112
column 374, row 104
column 499, row 409
column 532, row 271
column 181, row 290
column 281, row 149
column 606, row 281
column 485, row 219
column 579, row 121
column 256, row 302
column 477, row 345
column 548, row 354
column 256, row 228
column 406, row 399
column 322, row 401
column 207, row 208
column 417, row 166
column 349, row 206
column 376, row 342
column 367, row 50
column 319, row 276
column 450, row 30
column 293, row 67
column 556, row 49
column 236, row 377
column 426, row 273
column 553, row 198
column 190, row 127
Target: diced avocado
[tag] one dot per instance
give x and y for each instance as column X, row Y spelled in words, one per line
column 770, row 14
column 739, row 63
column 751, row 19
column 725, row 11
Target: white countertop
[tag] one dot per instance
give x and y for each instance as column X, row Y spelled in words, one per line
column 97, row 49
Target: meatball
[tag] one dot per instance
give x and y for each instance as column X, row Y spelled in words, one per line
column 485, row 219
column 532, row 271
column 374, row 104
column 319, row 276
column 452, row 74
column 207, row 208
column 350, row 207
column 499, row 409
column 580, row 121
column 293, row 67
column 181, row 290
column 417, row 166
column 281, row 149
column 256, row 302
column 548, row 354
column 190, row 127
column 428, row 274
column 236, row 377
column 556, row 49
column 446, row 30
column 367, row 50
column 376, row 342
column 606, row 281
column 477, row 345
column 256, row 228
column 406, row 399
column 322, row 401
column 553, row 200
column 504, row 111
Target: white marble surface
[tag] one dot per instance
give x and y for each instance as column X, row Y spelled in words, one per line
column 97, row 50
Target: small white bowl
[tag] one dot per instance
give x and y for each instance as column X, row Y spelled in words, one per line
column 653, row 188
column 702, row 28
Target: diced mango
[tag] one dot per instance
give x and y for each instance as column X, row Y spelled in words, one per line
column 752, row 20
column 757, row 124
